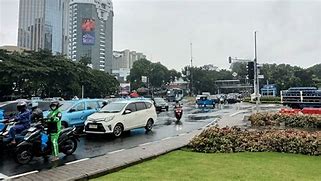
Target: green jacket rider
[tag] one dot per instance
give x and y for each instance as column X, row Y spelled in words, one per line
column 54, row 128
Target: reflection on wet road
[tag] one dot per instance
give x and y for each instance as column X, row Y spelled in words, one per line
column 165, row 127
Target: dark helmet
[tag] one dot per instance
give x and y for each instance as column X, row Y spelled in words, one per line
column 177, row 102
column 21, row 105
column 54, row 105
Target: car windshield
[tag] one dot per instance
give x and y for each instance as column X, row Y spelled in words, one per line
column 66, row 105
column 113, row 107
column 159, row 100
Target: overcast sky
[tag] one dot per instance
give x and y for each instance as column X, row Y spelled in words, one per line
column 288, row 31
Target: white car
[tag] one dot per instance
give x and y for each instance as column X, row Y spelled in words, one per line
column 121, row 116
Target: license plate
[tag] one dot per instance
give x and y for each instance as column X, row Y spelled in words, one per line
column 163, row 107
column 93, row 126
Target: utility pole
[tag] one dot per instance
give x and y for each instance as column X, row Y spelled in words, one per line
column 191, row 72
column 256, row 77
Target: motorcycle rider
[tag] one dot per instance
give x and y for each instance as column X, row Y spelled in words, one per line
column 54, row 127
column 36, row 113
column 22, row 120
column 177, row 105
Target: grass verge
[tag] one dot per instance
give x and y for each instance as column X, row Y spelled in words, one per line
column 185, row 165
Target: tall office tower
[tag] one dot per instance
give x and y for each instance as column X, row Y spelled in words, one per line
column 40, row 25
column 91, row 32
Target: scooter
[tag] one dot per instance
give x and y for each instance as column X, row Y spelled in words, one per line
column 34, row 145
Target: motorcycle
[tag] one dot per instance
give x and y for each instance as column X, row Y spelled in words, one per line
column 178, row 113
column 4, row 135
column 34, row 145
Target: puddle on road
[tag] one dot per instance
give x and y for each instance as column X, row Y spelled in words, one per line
column 193, row 118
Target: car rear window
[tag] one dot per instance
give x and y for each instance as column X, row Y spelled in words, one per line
column 148, row 105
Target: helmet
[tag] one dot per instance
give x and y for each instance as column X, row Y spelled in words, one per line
column 21, row 105
column 54, row 105
column 177, row 102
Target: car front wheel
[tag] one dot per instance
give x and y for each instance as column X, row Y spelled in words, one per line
column 118, row 130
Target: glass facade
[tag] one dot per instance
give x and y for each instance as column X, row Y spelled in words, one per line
column 40, row 25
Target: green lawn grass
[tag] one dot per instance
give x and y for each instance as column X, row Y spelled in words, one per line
column 184, row 165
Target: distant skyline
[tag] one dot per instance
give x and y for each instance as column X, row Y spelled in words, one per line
column 288, row 31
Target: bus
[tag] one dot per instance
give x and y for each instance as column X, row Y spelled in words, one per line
column 174, row 94
column 300, row 97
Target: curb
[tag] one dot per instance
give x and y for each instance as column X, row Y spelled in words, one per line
column 114, row 161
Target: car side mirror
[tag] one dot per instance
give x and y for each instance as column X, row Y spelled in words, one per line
column 72, row 110
column 127, row 111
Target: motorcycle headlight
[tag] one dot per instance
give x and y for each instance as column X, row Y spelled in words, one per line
column 109, row 118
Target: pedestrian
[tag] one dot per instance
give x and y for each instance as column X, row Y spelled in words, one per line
column 54, row 128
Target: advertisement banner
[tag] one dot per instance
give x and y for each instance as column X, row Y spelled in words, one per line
column 88, row 31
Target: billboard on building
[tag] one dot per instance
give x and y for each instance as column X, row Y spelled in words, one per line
column 88, row 26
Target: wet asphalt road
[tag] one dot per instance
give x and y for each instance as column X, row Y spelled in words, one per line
column 165, row 127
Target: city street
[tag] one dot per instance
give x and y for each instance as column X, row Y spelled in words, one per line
column 193, row 119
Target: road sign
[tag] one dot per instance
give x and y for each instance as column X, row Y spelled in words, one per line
column 144, row 79
column 234, row 74
column 260, row 76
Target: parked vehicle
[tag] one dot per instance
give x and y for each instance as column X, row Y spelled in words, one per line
column 121, row 116
column 33, row 145
column 232, row 98
column 160, row 104
column 203, row 101
column 301, row 97
column 75, row 113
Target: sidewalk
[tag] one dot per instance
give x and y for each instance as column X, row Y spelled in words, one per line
column 98, row 166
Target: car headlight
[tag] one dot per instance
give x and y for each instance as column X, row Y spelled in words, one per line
column 109, row 118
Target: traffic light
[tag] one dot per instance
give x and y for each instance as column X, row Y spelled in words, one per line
column 229, row 60
column 250, row 70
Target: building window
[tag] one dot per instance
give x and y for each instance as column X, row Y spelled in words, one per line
column 103, row 5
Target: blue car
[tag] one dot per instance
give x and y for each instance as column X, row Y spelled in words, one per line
column 75, row 113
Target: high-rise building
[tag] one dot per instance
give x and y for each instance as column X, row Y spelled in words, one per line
column 40, row 25
column 91, row 32
column 123, row 61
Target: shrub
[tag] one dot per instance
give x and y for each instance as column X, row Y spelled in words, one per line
column 290, row 120
column 233, row 139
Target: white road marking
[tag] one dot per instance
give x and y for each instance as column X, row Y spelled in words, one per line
column 3, row 176
column 211, row 123
column 76, row 161
column 167, row 138
column 182, row 134
column 23, row 174
column 115, row 151
column 239, row 112
column 144, row 144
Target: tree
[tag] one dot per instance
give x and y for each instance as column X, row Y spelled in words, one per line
column 85, row 60
column 46, row 75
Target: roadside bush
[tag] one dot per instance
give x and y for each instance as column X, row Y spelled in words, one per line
column 233, row 139
column 290, row 120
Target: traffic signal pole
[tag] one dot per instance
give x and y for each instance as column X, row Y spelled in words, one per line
column 256, row 78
